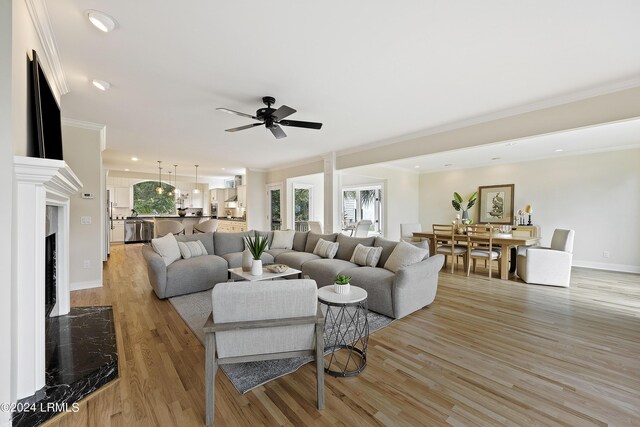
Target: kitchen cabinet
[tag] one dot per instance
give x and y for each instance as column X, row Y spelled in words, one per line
column 196, row 200
column 242, row 196
column 226, row 226
column 117, row 232
column 119, row 196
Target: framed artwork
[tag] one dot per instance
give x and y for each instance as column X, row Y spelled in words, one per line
column 495, row 204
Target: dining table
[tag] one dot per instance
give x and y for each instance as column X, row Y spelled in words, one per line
column 505, row 241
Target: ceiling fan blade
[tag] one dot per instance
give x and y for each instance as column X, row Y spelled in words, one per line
column 237, row 113
column 277, row 132
column 282, row 112
column 299, row 124
column 243, row 127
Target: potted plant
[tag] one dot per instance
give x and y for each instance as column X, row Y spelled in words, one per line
column 181, row 209
column 342, row 285
column 459, row 205
column 256, row 246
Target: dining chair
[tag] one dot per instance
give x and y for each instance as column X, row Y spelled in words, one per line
column 208, row 226
column 480, row 246
column 407, row 230
column 548, row 266
column 362, row 228
column 315, row 227
column 444, row 242
column 279, row 319
column 167, row 226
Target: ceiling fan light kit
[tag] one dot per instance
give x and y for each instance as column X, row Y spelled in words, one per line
column 271, row 118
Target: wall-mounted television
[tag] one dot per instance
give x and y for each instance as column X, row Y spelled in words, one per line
column 46, row 131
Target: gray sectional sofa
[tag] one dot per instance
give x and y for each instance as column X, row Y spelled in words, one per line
column 392, row 294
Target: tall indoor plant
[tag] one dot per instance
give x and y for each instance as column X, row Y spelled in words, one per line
column 256, row 246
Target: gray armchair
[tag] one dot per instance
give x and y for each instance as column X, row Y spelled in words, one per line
column 548, row 266
column 266, row 320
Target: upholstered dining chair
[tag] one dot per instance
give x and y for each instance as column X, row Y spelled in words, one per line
column 548, row 266
column 279, row 319
column 407, row 230
column 362, row 228
column 444, row 242
column 167, row 226
column 480, row 246
column 315, row 227
column 208, row 226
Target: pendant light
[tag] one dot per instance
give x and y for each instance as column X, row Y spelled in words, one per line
column 159, row 189
column 170, row 193
column 175, row 180
column 196, row 190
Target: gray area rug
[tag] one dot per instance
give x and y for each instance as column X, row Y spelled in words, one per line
column 195, row 309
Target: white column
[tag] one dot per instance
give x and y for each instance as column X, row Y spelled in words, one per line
column 332, row 220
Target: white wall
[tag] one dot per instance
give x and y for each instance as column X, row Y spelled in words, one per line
column 6, row 177
column 82, row 152
column 400, row 197
column 597, row 195
column 256, row 182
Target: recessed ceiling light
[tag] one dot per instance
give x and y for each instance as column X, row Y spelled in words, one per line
column 101, row 84
column 511, row 144
column 447, row 165
column 102, row 21
column 417, row 166
column 223, row 168
column 135, row 159
column 559, row 150
column 495, row 158
column 126, row 170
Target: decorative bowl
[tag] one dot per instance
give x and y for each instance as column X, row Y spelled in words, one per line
column 277, row 268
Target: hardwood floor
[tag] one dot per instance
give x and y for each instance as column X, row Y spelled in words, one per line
column 486, row 352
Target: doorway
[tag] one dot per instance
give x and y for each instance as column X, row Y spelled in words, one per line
column 274, row 201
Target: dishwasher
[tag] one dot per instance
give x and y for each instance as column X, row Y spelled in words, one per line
column 137, row 230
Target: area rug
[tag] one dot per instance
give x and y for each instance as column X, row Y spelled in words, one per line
column 195, row 309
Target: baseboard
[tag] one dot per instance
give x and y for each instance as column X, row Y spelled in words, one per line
column 77, row 286
column 605, row 266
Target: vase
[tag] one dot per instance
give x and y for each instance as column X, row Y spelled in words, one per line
column 256, row 267
column 465, row 215
column 341, row 289
column 246, row 260
column 182, row 212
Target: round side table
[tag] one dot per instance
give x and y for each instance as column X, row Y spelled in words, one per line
column 349, row 330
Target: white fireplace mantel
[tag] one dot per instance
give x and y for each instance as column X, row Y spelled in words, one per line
column 39, row 182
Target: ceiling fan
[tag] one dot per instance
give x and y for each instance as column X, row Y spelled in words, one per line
column 272, row 118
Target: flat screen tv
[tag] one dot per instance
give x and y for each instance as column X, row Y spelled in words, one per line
column 46, row 132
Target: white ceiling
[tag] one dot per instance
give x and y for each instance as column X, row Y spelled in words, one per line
column 369, row 70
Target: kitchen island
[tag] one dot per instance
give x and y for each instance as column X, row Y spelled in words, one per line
column 188, row 221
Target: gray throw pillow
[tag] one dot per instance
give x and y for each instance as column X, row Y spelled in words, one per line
column 283, row 239
column 167, row 247
column 367, row 256
column 403, row 255
column 326, row 249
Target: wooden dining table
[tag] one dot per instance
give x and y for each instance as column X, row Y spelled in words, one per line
column 505, row 241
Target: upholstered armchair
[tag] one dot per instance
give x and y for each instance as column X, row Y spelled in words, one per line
column 263, row 320
column 548, row 266
column 407, row 230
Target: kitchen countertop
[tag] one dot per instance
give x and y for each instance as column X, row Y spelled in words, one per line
column 168, row 216
column 237, row 218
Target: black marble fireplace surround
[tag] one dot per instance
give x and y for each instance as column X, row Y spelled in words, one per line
column 81, row 357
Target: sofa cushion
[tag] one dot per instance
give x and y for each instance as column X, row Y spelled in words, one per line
column 326, row 249
column 296, row 259
column 312, row 240
column 225, row 243
column 387, row 247
column 195, row 274
column 324, row 271
column 167, row 247
column 275, row 252
column 300, row 240
column 367, row 256
column 403, row 255
column 234, row 259
column 205, row 238
column 283, row 239
column 192, row 249
column 348, row 245
column 378, row 283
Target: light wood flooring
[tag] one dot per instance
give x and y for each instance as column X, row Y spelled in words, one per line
column 486, row 352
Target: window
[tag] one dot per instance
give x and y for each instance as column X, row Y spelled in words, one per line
column 302, row 205
column 146, row 200
column 360, row 203
column 274, row 207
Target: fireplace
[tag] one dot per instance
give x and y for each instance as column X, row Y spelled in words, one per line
column 50, row 259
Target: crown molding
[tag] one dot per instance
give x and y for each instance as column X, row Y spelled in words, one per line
column 40, row 17
column 90, row 126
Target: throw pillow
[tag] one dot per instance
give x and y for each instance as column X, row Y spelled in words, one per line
column 326, row 249
column 167, row 248
column 192, row 249
column 283, row 239
column 403, row 255
column 367, row 256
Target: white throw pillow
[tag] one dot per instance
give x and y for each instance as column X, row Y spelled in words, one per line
column 326, row 249
column 192, row 249
column 403, row 255
column 367, row 256
column 283, row 239
column 167, row 247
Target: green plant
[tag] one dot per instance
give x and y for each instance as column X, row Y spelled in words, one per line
column 457, row 201
column 256, row 246
column 341, row 279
